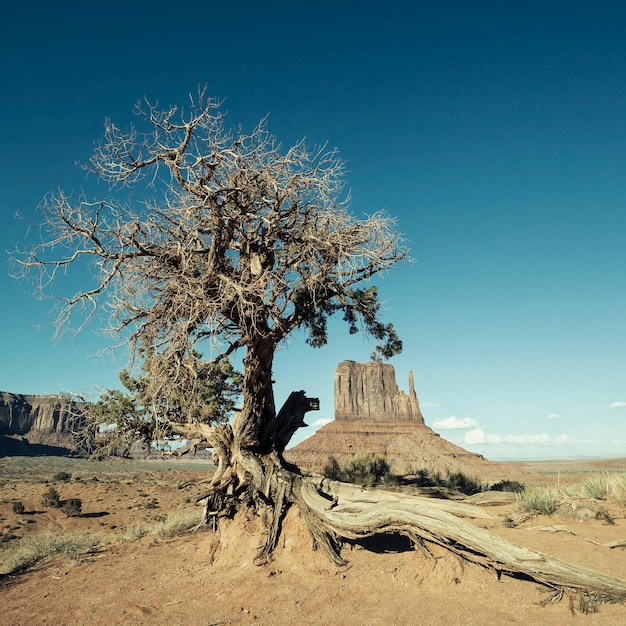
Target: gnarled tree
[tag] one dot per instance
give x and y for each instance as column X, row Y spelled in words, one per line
column 235, row 244
column 221, row 240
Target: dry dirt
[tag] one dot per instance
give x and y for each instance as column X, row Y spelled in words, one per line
column 209, row 578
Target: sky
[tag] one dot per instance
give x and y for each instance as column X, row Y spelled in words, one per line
column 494, row 131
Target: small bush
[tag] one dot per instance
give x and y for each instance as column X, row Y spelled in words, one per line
column 18, row 507
column 453, row 480
column 72, row 507
column 363, row 470
column 544, row 501
column 62, row 477
column 51, row 497
column 465, row 484
column 508, row 485
column 596, row 486
column 617, row 488
column 177, row 523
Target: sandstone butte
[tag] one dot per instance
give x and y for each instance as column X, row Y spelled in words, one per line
column 374, row 417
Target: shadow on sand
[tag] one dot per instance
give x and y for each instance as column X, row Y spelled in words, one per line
column 10, row 446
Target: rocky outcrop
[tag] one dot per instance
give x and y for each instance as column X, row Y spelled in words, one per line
column 37, row 419
column 373, row 417
column 368, row 391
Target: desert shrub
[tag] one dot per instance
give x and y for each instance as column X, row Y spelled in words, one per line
column 542, row 500
column 18, row 507
column 596, row 486
column 51, row 497
column 617, row 488
column 173, row 524
column 452, row 480
column 133, row 532
column 44, row 546
column 332, row 469
column 177, row 523
column 72, row 507
column 572, row 491
column 362, row 470
column 508, row 485
column 605, row 485
column 62, row 477
column 463, row 483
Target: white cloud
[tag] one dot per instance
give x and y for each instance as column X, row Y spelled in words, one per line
column 479, row 436
column 452, row 423
column 617, row 405
column 554, row 416
column 474, row 436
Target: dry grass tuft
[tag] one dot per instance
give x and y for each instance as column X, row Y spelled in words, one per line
column 43, row 547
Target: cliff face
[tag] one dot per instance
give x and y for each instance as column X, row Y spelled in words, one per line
column 40, row 419
column 368, row 391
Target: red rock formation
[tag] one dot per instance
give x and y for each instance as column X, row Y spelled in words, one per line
column 368, row 391
column 373, row 417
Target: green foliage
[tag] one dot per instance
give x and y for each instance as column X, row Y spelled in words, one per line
column 512, row 486
column 62, row 477
column 51, row 497
column 363, row 470
column 543, row 500
column 18, row 507
column 72, row 507
column 546, row 500
column 463, row 483
column 361, row 309
column 125, row 417
column 452, row 480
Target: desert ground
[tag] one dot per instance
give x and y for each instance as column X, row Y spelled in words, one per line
column 134, row 574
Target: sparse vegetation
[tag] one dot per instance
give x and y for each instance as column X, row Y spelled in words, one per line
column 577, row 498
column 508, row 485
column 18, row 507
column 365, row 470
column 175, row 524
column 605, row 485
column 72, row 507
column 543, row 501
column 51, row 497
column 463, row 483
column 44, row 546
column 62, row 477
column 456, row 481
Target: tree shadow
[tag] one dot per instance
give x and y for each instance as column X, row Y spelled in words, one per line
column 21, row 447
column 386, row 543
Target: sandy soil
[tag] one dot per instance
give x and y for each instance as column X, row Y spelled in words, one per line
column 209, row 578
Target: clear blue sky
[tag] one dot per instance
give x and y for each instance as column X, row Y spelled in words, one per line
column 495, row 131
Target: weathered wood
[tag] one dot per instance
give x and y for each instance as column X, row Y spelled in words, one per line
column 291, row 417
column 361, row 514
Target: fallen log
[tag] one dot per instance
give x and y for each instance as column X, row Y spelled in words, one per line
column 359, row 514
